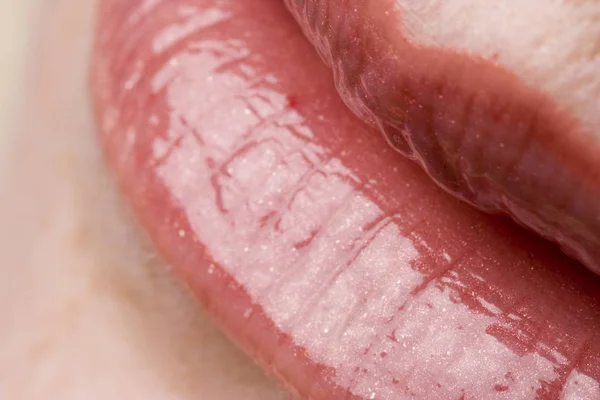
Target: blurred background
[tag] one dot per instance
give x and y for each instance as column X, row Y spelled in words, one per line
column 17, row 23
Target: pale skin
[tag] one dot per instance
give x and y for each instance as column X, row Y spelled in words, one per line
column 88, row 309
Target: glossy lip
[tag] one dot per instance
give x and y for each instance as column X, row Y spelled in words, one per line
column 477, row 129
column 339, row 266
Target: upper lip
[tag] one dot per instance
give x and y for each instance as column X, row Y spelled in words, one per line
column 478, row 130
column 327, row 257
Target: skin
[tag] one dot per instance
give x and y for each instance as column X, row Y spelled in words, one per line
column 88, row 309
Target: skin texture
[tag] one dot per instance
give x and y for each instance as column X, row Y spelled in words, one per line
column 89, row 294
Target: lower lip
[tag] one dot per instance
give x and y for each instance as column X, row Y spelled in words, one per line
column 326, row 256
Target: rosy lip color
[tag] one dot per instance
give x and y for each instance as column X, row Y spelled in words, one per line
column 332, row 260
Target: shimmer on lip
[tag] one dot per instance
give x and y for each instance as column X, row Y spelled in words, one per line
column 477, row 129
column 325, row 255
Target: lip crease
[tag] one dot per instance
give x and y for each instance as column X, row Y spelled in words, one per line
column 333, row 261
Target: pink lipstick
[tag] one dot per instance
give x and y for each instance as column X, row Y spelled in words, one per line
column 336, row 263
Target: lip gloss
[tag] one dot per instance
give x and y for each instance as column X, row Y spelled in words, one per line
column 331, row 260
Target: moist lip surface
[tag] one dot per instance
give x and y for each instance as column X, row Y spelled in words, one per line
column 477, row 129
column 324, row 254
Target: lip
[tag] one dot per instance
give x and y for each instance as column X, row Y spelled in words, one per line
column 334, row 262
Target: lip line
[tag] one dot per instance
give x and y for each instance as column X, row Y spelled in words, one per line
column 209, row 286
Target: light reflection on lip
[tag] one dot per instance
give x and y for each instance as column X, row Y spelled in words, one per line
column 379, row 278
